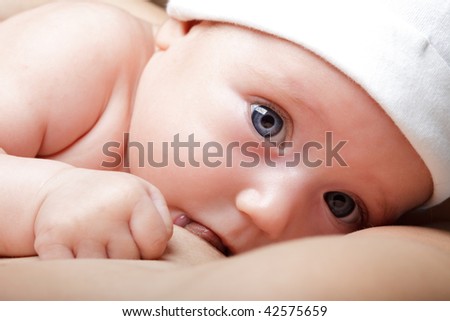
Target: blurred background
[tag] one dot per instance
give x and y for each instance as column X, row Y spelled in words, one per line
column 161, row 3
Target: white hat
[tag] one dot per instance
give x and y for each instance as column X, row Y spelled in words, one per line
column 397, row 50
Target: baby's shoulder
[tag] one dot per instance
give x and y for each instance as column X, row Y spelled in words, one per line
column 80, row 25
column 62, row 66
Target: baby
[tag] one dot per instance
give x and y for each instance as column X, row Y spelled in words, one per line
column 258, row 121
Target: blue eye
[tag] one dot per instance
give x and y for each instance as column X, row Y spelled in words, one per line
column 266, row 121
column 340, row 204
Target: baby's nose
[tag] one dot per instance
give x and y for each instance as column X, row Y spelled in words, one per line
column 270, row 206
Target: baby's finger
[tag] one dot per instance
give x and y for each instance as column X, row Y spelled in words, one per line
column 123, row 246
column 151, row 228
column 54, row 251
column 90, row 249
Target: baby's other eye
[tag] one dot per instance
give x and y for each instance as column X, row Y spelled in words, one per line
column 268, row 123
column 343, row 207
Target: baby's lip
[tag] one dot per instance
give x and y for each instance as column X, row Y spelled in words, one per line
column 201, row 231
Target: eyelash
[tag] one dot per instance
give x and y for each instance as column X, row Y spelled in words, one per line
column 363, row 223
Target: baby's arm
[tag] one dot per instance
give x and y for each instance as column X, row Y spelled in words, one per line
column 58, row 211
column 65, row 70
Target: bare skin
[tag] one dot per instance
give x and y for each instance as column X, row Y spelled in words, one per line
column 143, row 9
column 377, row 263
column 54, row 165
column 383, row 263
column 28, row 141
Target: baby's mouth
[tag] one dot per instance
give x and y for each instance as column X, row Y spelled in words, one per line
column 202, row 232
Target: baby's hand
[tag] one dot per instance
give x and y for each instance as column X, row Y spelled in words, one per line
column 98, row 214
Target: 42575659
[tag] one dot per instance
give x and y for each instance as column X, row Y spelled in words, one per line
column 295, row 310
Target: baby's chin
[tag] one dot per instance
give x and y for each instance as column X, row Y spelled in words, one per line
column 188, row 249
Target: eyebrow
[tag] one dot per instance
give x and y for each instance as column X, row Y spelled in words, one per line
column 289, row 90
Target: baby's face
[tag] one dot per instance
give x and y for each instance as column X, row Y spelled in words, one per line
column 264, row 141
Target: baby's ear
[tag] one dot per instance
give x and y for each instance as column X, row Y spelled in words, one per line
column 171, row 31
